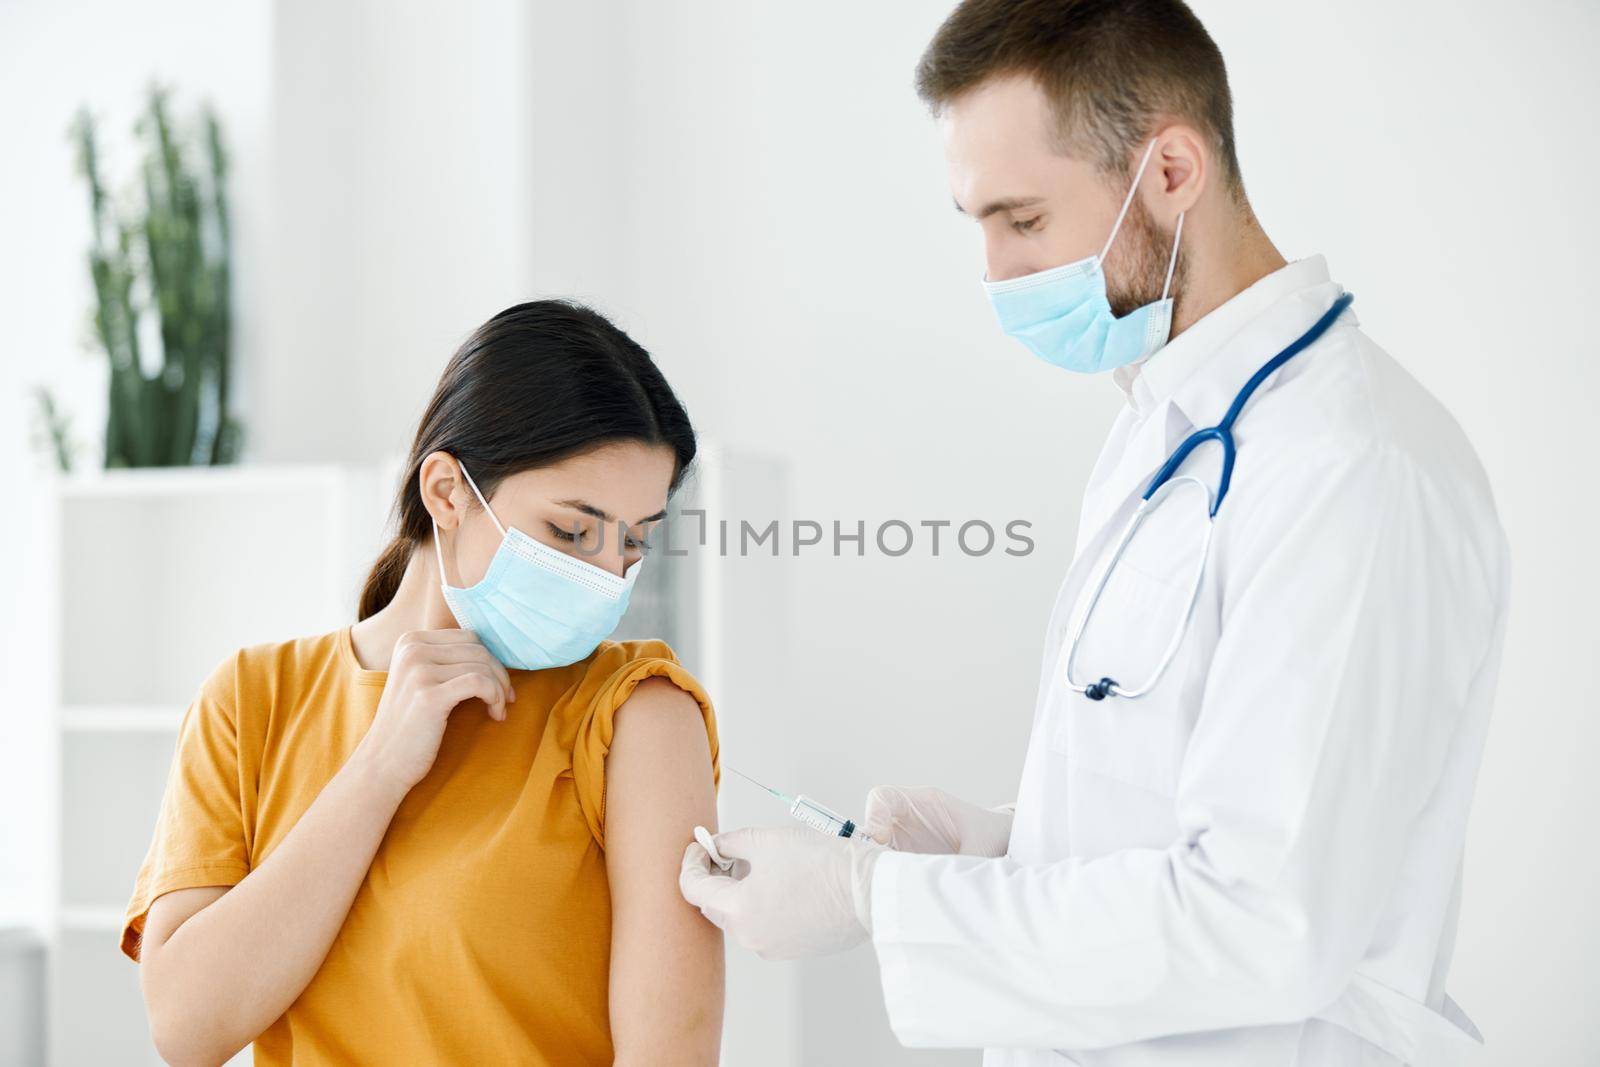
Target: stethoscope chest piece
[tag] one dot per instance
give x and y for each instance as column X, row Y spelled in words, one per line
column 1110, row 687
column 1098, row 690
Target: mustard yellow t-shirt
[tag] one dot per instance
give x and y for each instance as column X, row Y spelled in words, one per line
column 481, row 933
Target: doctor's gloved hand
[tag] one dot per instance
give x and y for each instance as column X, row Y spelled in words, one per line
column 924, row 819
column 791, row 892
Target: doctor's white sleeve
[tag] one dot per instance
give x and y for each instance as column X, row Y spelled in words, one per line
column 1348, row 648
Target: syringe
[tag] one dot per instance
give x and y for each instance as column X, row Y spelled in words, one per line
column 808, row 811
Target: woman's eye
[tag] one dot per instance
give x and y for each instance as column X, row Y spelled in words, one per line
column 1024, row 225
column 565, row 535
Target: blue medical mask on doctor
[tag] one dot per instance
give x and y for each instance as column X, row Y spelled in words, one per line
column 1063, row 316
column 536, row 606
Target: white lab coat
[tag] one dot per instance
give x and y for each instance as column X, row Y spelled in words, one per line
column 1258, row 864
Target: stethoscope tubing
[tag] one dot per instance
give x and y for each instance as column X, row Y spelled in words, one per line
column 1222, row 432
column 1161, row 486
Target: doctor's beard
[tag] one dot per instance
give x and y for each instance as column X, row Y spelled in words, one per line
column 1141, row 263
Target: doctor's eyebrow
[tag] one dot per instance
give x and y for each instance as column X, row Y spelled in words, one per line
column 606, row 516
column 1009, row 203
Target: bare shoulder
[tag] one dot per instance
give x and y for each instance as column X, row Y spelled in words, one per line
column 659, row 785
column 663, row 718
column 664, row 696
column 659, row 776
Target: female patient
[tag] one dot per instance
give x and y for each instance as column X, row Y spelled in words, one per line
column 450, row 833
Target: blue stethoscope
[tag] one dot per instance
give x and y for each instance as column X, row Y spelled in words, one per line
column 1161, row 486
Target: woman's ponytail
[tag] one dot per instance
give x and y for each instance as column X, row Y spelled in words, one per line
column 384, row 581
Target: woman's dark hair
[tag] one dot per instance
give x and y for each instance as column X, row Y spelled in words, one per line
column 536, row 384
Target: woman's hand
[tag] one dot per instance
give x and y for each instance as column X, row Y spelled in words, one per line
column 431, row 672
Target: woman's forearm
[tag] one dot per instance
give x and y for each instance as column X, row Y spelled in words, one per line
column 234, row 967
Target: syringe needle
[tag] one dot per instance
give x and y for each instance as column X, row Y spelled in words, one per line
column 758, row 785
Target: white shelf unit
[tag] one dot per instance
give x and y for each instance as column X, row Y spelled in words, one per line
column 155, row 577
column 21, row 993
column 89, row 718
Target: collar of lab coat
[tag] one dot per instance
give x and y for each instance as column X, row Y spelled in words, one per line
column 1190, row 361
column 1190, row 381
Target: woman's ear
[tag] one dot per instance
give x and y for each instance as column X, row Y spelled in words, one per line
column 440, row 484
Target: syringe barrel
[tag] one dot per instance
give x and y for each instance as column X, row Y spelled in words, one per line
column 821, row 818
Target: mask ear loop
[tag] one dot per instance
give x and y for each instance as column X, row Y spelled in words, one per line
column 482, row 501
column 438, row 555
column 1127, row 200
column 1177, row 234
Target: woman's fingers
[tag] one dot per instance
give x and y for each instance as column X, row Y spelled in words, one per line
column 474, row 681
column 457, row 652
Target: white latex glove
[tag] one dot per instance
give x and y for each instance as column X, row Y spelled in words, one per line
column 924, row 819
column 791, row 892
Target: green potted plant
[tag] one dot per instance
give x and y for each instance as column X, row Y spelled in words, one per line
column 167, row 256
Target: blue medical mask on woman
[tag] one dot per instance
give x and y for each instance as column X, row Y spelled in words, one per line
column 535, row 606
column 1063, row 316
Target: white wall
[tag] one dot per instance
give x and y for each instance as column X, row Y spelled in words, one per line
column 401, row 197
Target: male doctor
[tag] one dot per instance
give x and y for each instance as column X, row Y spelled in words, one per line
column 1238, row 835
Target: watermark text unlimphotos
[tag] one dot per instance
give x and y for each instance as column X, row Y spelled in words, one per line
column 692, row 529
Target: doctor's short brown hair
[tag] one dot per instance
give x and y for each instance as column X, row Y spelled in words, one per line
column 1112, row 69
